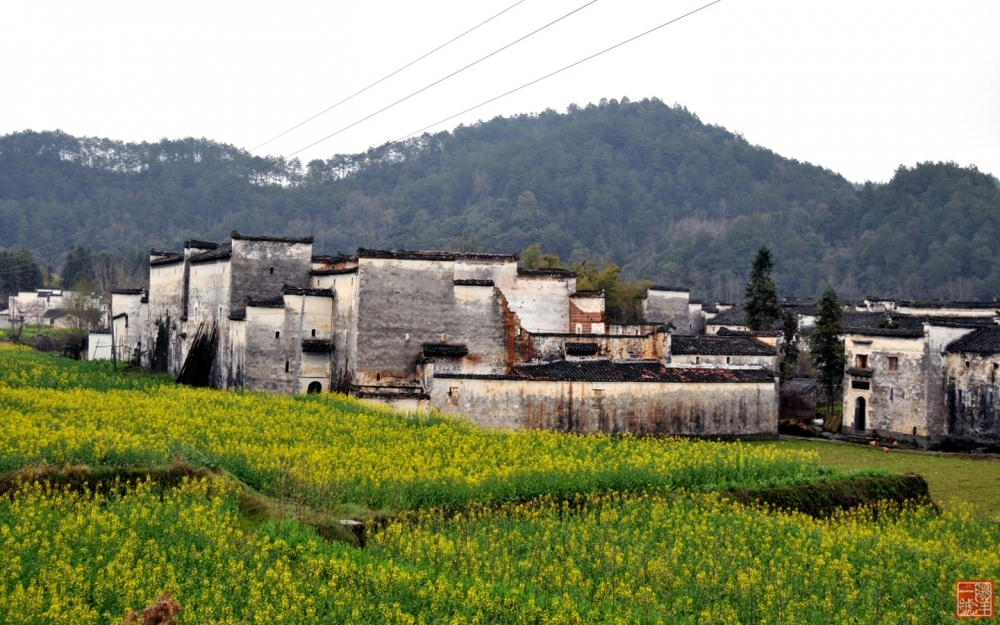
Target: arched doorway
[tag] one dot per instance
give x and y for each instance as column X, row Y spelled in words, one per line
column 314, row 387
column 859, row 414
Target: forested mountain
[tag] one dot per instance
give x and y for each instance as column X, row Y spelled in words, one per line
column 641, row 184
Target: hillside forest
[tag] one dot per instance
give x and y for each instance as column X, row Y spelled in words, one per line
column 641, row 185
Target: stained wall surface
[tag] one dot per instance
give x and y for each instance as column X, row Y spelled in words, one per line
column 702, row 409
column 972, row 393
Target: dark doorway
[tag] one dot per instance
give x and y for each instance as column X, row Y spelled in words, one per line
column 314, row 387
column 859, row 415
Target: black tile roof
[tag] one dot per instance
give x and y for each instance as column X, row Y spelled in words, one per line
column 982, row 341
column 406, row 254
column 444, row 350
column 266, row 302
column 236, row 236
column 219, row 253
column 333, row 272
column 471, row 282
column 329, row 258
column 238, row 315
column 867, row 324
column 678, row 289
column 128, row 292
column 629, row 371
column 317, row 346
column 101, row 331
column 546, row 273
column 581, row 349
column 295, row 290
column 994, row 305
column 165, row 258
column 200, row 245
column 960, row 322
column 859, row 373
column 719, row 346
column 799, row 386
column 492, row 257
column 391, row 394
column 732, row 317
column 588, row 294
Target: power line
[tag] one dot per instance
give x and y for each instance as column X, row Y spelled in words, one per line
column 525, row 85
column 397, row 102
column 357, row 93
column 559, row 71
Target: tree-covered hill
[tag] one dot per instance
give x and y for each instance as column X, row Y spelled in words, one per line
column 642, row 184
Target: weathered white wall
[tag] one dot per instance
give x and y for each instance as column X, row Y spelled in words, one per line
column 749, row 409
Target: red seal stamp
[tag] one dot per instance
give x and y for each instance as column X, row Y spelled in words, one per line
column 974, row 598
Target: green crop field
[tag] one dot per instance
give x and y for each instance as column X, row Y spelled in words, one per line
column 118, row 487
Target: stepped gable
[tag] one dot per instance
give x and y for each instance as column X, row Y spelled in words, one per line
column 236, row 236
column 219, row 253
column 982, row 341
column 623, row 371
column 726, row 345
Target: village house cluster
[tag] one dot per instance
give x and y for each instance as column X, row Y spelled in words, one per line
column 464, row 333
column 513, row 347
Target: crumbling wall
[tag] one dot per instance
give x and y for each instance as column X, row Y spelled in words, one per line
column 616, row 347
column 699, row 409
column 208, row 301
column 586, row 313
column 540, row 299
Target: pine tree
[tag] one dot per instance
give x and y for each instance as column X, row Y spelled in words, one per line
column 825, row 347
column 761, row 306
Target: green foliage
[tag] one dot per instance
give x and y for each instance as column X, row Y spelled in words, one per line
column 789, row 345
column 533, row 258
column 622, row 300
column 647, row 186
column 79, row 266
column 18, row 272
column 761, row 305
column 825, row 346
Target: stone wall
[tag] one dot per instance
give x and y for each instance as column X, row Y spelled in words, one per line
column 166, row 308
column 344, row 284
column 700, row 409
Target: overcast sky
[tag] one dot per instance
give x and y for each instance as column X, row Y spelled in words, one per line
column 859, row 87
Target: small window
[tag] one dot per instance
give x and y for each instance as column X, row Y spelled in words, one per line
column 729, row 360
column 286, row 365
column 893, row 363
column 272, row 270
column 960, row 396
column 277, row 334
column 378, row 377
column 892, row 394
column 697, row 360
column 989, row 399
column 314, row 332
column 861, row 385
column 861, row 361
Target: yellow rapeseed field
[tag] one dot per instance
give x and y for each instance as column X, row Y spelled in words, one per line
column 332, row 447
